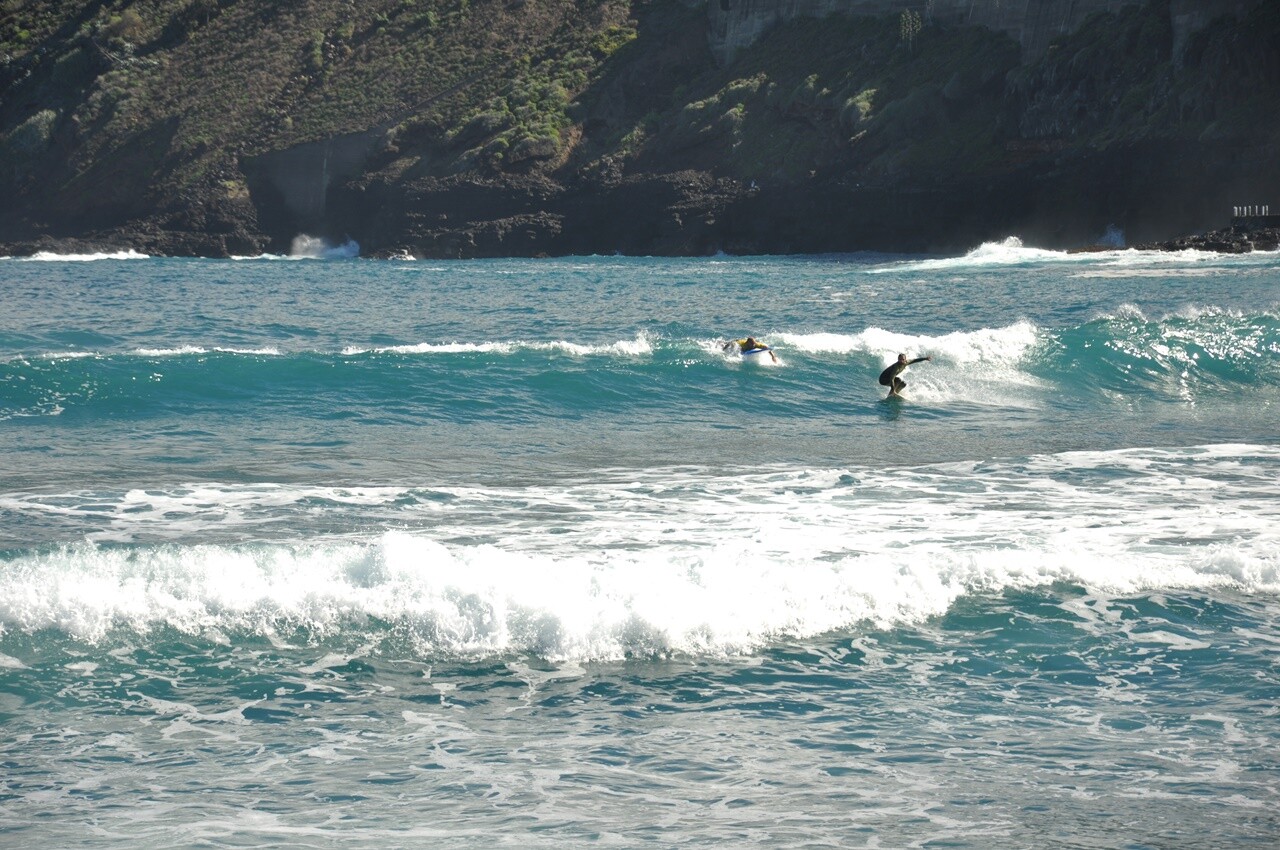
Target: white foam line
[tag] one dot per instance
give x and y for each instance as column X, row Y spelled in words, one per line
column 639, row 346
column 49, row 257
column 1012, row 252
column 68, row 355
column 170, row 352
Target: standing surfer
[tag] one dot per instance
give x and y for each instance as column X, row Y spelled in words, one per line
column 889, row 377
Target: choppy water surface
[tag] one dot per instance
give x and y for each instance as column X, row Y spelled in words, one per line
column 342, row 553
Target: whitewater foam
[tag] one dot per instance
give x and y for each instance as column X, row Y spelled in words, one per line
column 171, row 352
column 62, row 355
column 986, row 346
column 1008, row 252
column 50, row 257
column 1111, row 262
column 651, row 564
column 642, row 344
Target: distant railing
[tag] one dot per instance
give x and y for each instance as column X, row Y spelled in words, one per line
column 1254, row 215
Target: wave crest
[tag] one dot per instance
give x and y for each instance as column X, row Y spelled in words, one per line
column 756, row 558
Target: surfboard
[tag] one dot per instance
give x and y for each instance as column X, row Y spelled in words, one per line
column 734, row 346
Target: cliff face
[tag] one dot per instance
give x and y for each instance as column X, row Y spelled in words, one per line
column 461, row 128
column 1034, row 24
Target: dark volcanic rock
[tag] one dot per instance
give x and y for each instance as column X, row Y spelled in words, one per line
column 1238, row 239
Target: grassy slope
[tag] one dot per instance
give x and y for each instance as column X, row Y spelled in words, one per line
column 177, row 92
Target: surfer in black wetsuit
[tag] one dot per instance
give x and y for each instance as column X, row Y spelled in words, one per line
column 889, row 377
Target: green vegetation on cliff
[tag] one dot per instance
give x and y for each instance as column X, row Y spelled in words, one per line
column 180, row 116
column 201, row 83
column 837, row 95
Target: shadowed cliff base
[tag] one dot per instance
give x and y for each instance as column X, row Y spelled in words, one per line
column 1068, row 203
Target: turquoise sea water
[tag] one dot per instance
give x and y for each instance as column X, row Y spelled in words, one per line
column 347, row 553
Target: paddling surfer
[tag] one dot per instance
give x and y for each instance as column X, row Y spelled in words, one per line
column 749, row 346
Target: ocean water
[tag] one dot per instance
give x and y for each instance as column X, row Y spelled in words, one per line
column 343, row 553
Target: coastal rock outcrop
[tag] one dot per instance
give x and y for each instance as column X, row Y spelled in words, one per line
column 1239, row 238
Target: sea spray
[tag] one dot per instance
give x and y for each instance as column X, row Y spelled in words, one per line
column 314, row 248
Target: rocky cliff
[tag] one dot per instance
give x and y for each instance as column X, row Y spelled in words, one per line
column 460, row 128
column 736, row 24
column 1034, row 24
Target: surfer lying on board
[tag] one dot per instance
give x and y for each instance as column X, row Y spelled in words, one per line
column 889, row 377
column 750, row 346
